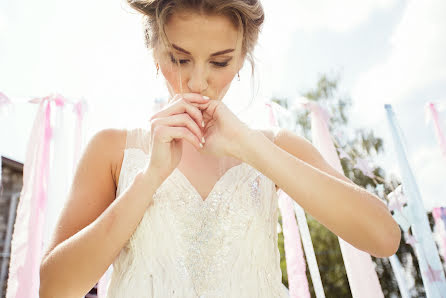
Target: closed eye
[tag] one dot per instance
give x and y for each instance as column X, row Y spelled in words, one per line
column 221, row 64
column 184, row 61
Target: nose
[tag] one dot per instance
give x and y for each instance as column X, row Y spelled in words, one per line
column 197, row 81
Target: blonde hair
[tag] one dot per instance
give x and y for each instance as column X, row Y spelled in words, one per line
column 246, row 15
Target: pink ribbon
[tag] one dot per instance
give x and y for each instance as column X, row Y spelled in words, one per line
column 360, row 269
column 79, row 108
column 297, row 279
column 440, row 135
column 26, row 243
column 439, row 214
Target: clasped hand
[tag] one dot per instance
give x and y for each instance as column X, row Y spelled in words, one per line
column 182, row 119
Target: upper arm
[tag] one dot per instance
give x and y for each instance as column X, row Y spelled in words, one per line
column 303, row 149
column 93, row 187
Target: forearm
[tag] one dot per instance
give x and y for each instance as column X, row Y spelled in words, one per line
column 345, row 208
column 75, row 265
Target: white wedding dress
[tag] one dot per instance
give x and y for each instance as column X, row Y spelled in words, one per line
column 224, row 246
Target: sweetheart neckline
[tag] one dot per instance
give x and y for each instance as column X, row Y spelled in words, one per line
column 190, row 185
column 219, row 181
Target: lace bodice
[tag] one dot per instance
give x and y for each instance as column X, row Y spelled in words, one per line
column 224, row 246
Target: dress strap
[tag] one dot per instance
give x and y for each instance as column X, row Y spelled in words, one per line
column 138, row 138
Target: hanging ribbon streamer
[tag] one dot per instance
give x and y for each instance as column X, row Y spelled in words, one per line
column 439, row 214
column 297, row 279
column 398, row 204
column 26, row 243
column 399, row 275
column 309, row 251
column 79, row 109
column 428, row 259
column 303, row 227
column 40, row 200
column 430, row 107
column 359, row 266
column 296, row 268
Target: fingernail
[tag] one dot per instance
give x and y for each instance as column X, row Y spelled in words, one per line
column 201, row 145
column 206, row 97
column 202, row 123
column 203, row 140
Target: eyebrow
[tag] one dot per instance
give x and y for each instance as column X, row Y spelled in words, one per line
column 214, row 54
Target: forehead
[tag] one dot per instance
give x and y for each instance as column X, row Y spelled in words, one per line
column 193, row 31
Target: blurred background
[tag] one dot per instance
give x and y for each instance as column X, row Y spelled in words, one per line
column 351, row 56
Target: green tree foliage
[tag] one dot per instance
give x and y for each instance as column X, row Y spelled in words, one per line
column 360, row 143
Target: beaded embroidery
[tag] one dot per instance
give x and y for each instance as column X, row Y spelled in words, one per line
column 255, row 190
column 187, row 247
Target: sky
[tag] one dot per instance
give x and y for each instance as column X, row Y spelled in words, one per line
column 384, row 51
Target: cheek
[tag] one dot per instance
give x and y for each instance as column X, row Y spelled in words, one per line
column 218, row 80
column 221, row 81
column 171, row 76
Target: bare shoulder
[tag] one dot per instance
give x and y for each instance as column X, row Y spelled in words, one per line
column 93, row 188
column 111, row 142
column 115, row 140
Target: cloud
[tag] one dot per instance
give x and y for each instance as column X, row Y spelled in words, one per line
column 430, row 171
column 291, row 31
column 310, row 15
column 3, row 24
column 416, row 60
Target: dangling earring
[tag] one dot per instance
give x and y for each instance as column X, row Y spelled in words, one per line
column 238, row 76
column 157, row 68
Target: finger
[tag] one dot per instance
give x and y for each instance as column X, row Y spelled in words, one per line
column 194, row 97
column 183, row 133
column 201, row 106
column 189, row 97
column 179, row 107
column 179, row 120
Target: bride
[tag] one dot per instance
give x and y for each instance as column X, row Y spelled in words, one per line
column 188, row 207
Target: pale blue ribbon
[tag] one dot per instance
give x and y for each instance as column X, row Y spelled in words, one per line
column 399, row 274
column 426, row 250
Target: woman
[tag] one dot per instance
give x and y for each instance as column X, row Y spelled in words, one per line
column 188, row 207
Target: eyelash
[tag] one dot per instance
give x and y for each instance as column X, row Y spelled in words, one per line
column 183, row 61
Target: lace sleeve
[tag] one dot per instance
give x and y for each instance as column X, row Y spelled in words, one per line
column 138, row 138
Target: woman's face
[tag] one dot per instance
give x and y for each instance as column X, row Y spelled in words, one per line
column 208, row 50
